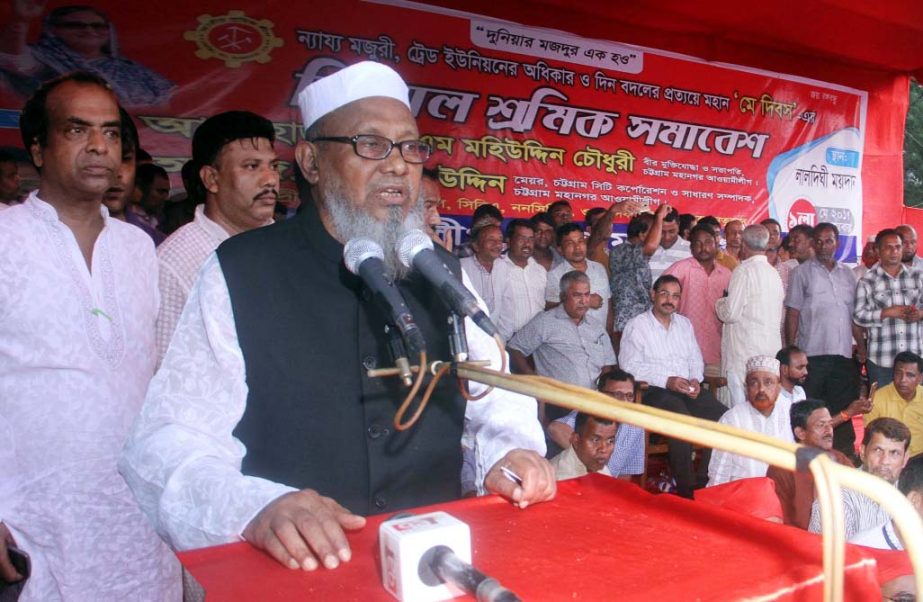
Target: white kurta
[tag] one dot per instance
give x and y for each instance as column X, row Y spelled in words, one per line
column 751, row 313
column 183, row 461
column 76, row 355
column 725, row 467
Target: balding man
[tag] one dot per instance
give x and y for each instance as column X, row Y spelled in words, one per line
column 79, row 298
column 909, row 255
column 733, row 243
column 275, row 433
column 751, row 312
column 487, row 244
column 765, row 412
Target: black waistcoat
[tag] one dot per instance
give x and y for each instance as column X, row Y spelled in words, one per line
column 308, row 332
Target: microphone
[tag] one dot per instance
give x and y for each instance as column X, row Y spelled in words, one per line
column 363, row 257
column 415, row 250
column 427, row 558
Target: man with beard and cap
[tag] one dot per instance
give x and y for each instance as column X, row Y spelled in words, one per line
column 660, row 348
column 812, row 426
column 884, row 454
column 238, row 174
column 520, row 280
column 263, row 423
column 765, row 412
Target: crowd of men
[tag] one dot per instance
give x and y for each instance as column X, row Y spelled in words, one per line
column 217, row 389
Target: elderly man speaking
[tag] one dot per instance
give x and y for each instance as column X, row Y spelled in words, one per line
column 262, row 422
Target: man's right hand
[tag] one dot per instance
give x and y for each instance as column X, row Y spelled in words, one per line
column 897, row 312
column 679, row 385
column 7, row 571
column 302, row 529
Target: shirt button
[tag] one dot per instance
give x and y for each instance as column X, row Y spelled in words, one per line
column 369, row 362
column 375, row 431
column 380, row 502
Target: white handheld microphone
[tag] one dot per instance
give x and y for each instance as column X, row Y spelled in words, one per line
column 415, row 250
column 427, row 558
column 363, row 257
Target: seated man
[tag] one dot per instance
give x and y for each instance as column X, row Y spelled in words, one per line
column 884, row 536
column 564, row 344
column 572, row 245
column 884, row 454
column 591, row 446
column 628, row 458
column 660, row 348
column 903, row 398
column 793, row 372
column 812, row 426
column 765, row 412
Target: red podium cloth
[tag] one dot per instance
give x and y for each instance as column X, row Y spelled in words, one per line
column 600, row 539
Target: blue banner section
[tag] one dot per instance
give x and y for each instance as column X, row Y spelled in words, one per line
column 841, row 157
column 9, row 118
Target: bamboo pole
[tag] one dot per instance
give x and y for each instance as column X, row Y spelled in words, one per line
column 829, row 476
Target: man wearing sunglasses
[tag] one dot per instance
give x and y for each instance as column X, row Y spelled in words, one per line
column 262, row 422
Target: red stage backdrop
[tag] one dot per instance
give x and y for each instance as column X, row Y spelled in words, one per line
column 518, row 116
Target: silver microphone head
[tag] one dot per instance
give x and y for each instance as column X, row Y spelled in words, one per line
column 412, row 243
column 358, row 250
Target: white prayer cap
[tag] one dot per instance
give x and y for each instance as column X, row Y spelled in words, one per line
column 349, row 84
column 763, row 363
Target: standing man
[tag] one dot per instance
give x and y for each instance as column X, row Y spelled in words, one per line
column 672, row 248
column 520, row 281
column 703, row 282
column 903, row 398
column 659, row 347
column 78, row 292
column 812, row 426
column 751, row 312
column 888, row 300
column 544, row 241
column 909, row 255
column 239, row 174
column 275, row 433
column 733, row 244
column 572, row 246
column 819, row 319
column 764, row 412
column 629, row 273
column 793, row 372
column 563, row 343
column 487, row 244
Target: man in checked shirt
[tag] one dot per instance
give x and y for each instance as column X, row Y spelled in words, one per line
column 887, row 305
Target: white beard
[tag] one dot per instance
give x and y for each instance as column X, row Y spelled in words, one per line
column 351, row 222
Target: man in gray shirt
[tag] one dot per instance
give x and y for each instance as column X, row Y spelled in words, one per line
column 563, row 343
column 818, row 319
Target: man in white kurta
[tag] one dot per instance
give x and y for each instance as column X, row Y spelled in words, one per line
column 751, row 312
column 765, row 412
column 78, row 299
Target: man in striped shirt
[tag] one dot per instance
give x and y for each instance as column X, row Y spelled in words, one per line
column 887, row 305
column 884, row 454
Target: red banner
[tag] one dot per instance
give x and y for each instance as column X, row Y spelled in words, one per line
column 518, row 117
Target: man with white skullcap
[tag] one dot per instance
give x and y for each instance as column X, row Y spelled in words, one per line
column 765, row 412
column 262, row 422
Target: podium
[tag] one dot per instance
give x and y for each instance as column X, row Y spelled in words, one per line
column 599, row 539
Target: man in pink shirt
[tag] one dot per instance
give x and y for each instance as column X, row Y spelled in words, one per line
column 704, row 281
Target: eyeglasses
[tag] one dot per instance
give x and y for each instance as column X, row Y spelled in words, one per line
column 75, row 25
column 370, row 146
column 622, row 396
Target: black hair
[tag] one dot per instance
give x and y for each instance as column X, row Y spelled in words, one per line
column 582, row 418
column 890, row 428
column 565, row 229
column 908, row 357
column 912, row 476
column 543, row 218
column 800, row 411
column 784, row 355
column 145, row 174
column 832, row 228
column 614, row 374
column 130, row 140
column 217, row 131
column 700, row 227
column 639, row 224
column 882, row 234
column 518, row 223
column 666, row 279
column 486, row 210
column 431, row 172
